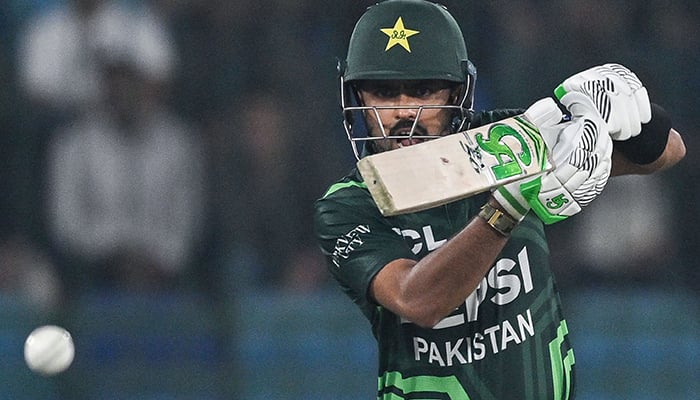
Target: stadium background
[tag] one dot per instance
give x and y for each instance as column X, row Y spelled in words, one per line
column 253, row 314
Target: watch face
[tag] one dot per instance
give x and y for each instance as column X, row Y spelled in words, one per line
column 501, row 222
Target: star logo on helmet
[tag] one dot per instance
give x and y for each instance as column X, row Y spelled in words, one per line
column 399, row 35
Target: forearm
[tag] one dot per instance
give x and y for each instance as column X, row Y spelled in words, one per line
column 672, row 154
column 426, row 291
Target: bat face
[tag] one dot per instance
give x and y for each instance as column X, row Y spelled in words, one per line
column 439, row 171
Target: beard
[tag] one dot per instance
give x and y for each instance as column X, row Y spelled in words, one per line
column 400, row 136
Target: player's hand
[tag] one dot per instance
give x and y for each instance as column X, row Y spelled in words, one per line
column 617, row 94
column 581, row 151
column 546, row 116
column 582, row 155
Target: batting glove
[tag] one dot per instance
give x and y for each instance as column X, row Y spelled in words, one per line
column 617, row 94
column 545, row 115
column 581, row 151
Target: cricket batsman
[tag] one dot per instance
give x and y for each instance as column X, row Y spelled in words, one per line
column 461, row 297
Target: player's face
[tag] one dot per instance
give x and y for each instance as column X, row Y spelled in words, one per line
column 410, row 95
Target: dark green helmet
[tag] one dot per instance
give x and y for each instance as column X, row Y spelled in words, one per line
column 406, row 40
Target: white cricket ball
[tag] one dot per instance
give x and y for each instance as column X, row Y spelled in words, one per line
column 49, row 350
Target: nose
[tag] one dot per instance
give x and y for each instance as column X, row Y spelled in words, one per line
column 406, row 113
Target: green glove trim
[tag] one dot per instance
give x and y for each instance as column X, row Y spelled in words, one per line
column 530, row 191
column 559, row 92
column 512, row 201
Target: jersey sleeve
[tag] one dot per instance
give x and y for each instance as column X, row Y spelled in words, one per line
column 357, row 241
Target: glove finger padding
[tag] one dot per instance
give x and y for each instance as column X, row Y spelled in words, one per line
column 545, row 115
column 581, row 151
column 575, row 183
column 617, row 94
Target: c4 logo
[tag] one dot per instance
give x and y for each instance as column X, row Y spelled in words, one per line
column 557, row 202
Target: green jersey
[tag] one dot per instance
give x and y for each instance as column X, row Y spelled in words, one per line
column 507, row 340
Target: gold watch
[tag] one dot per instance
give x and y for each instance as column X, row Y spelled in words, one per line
column 497, row 219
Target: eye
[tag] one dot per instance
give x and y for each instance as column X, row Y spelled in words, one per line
column 385, row 92
column 423, row 91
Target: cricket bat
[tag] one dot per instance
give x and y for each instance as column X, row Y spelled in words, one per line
column 454, row 167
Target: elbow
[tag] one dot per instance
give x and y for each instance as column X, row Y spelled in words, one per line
column 424, row 321
column 424, row 305
column 428, row 322
column 425, row 315
column 673, row 153
column 680, row 144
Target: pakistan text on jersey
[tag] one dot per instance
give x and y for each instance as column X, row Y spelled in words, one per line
column 466, row 350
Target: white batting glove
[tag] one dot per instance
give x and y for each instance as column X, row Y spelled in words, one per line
column 617, row 94
column 581, row 151
column 546, row 116
column 582, row 155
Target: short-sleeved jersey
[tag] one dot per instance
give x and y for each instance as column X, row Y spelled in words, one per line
column 507, row 340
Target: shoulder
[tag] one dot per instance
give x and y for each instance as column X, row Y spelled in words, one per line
column 349, row 193
column 349, row 186
column 346, row 204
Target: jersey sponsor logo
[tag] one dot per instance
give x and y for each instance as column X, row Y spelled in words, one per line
column 501, row 278
column 502, row 285
column 345, row 244
column 425, row 237
column 506, row 283
column 502, row 282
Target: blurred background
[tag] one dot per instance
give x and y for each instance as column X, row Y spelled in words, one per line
column 160, row 160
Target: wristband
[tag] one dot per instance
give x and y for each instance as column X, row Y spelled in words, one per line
column 651, row 142
column 497, row 219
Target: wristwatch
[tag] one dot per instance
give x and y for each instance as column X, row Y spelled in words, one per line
column 497, row 219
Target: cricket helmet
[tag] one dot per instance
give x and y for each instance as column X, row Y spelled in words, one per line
column 405, row 40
